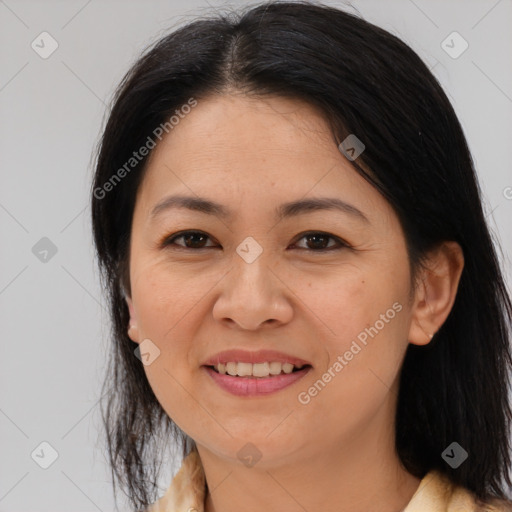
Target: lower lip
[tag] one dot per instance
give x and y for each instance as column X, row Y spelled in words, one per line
column 255, row 386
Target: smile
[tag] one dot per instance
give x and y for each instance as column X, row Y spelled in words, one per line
column 246, row 379
column 256, row 369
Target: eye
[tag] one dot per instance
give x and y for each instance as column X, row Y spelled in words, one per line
column 191, row 239
column 317, row 241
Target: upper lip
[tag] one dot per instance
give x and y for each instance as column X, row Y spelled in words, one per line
column 259, row 356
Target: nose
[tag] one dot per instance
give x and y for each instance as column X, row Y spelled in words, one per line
column 252, row 296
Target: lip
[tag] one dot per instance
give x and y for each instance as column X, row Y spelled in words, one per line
column 256, row 386
column 259, row 356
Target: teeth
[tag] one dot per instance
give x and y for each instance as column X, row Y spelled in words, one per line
column 231, row 368
column 275, row 368
column 244, row 369
column 260, row 369
column 255, row 370
column 287, row 368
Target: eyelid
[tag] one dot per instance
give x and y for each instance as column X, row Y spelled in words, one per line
column 341, row 243
column 168, row 240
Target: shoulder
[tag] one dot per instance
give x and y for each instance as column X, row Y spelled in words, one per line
column 437, row 493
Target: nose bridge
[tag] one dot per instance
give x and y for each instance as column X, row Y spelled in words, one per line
column 252, row 260
column 251, row 294
column 251, row 275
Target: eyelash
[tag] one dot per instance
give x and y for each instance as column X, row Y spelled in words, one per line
column 169, row 241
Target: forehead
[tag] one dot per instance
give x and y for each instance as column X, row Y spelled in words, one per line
column 239, row 139
column 237, row 132
column 253, row 155
column 238, row 120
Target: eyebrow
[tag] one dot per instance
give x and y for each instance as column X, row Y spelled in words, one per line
column 286, row 210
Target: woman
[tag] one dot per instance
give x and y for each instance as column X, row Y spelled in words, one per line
column 303, row 288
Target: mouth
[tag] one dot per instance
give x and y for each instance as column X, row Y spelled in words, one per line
column 255, row 379
column 257, row 370
column 253, row 373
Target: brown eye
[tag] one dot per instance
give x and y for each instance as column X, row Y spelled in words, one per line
column 191, row 240
column 318, row 241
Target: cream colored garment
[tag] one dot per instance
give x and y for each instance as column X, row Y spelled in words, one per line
column 435, row 493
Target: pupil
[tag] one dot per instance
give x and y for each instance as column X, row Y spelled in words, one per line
column 316, row 239
column 192, row 236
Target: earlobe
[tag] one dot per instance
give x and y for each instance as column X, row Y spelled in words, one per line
column 133, row 330
column 436, row 291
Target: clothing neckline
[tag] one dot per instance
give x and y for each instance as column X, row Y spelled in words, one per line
column 435, row 492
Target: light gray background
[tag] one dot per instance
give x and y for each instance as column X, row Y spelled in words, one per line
column 53, row 317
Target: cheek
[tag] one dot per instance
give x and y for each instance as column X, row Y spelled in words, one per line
column 166, row 298
column 171, row 308
column 167, row 309
column 165, row 306
column 364, row 320
column 346, row 303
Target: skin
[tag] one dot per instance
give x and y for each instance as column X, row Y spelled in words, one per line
column 336, row 453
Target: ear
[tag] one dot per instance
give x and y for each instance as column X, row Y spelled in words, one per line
column 436, row 289
column 133, row 329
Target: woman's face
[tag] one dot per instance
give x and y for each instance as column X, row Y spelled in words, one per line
column 254, row 280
